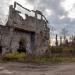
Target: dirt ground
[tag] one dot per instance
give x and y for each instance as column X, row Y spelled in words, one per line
column 14, row 68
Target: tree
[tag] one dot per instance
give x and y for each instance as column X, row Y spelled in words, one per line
column 56, row 40
column 64, row 33
column 52, row 30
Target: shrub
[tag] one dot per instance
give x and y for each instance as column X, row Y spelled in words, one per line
column 56, row 50
column 15, row 56
column 68, row 51
column 22, row 57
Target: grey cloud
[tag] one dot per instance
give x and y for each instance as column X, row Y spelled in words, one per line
column 31, row 1
column 42, row 5
column 58, row 11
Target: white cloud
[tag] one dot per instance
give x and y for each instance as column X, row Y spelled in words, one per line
column 69, row 7
column 4, row 7
column 48, row 12
column 68, row 4
column 71, row 14
column 62, row 17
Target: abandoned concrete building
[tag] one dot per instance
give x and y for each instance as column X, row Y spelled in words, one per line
column 30, row 33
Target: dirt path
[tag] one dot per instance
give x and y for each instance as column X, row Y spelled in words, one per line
column 32, row 69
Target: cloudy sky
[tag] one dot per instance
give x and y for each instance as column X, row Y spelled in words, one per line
column 60, row 13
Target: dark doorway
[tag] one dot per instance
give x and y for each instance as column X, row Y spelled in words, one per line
column 32, row 41
column 0, row 49
column 22, row 46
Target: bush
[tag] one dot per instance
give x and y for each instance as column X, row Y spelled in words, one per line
column 15, row 56
column 22, row 57
column 56, row 50
column 63, row 51
column 68, row 51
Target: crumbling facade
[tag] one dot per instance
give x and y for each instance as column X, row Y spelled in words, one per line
column 33, row 31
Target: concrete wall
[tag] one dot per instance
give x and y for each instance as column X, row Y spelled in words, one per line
column 18, row 35
column 34, row 31
column 5, row 39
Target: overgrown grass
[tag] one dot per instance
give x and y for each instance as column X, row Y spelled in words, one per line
column 63, row 50
column 14, row 57
column 22, row 57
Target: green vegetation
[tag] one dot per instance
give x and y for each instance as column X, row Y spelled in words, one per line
column 22, row 57
column 59, row 54
column 14, row 57
column 63, row 51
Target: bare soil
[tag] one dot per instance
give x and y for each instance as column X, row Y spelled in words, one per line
column 15, row 68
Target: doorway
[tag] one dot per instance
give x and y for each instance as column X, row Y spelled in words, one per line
column 22, row 46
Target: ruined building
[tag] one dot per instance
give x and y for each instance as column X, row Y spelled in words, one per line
column 30, row 33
